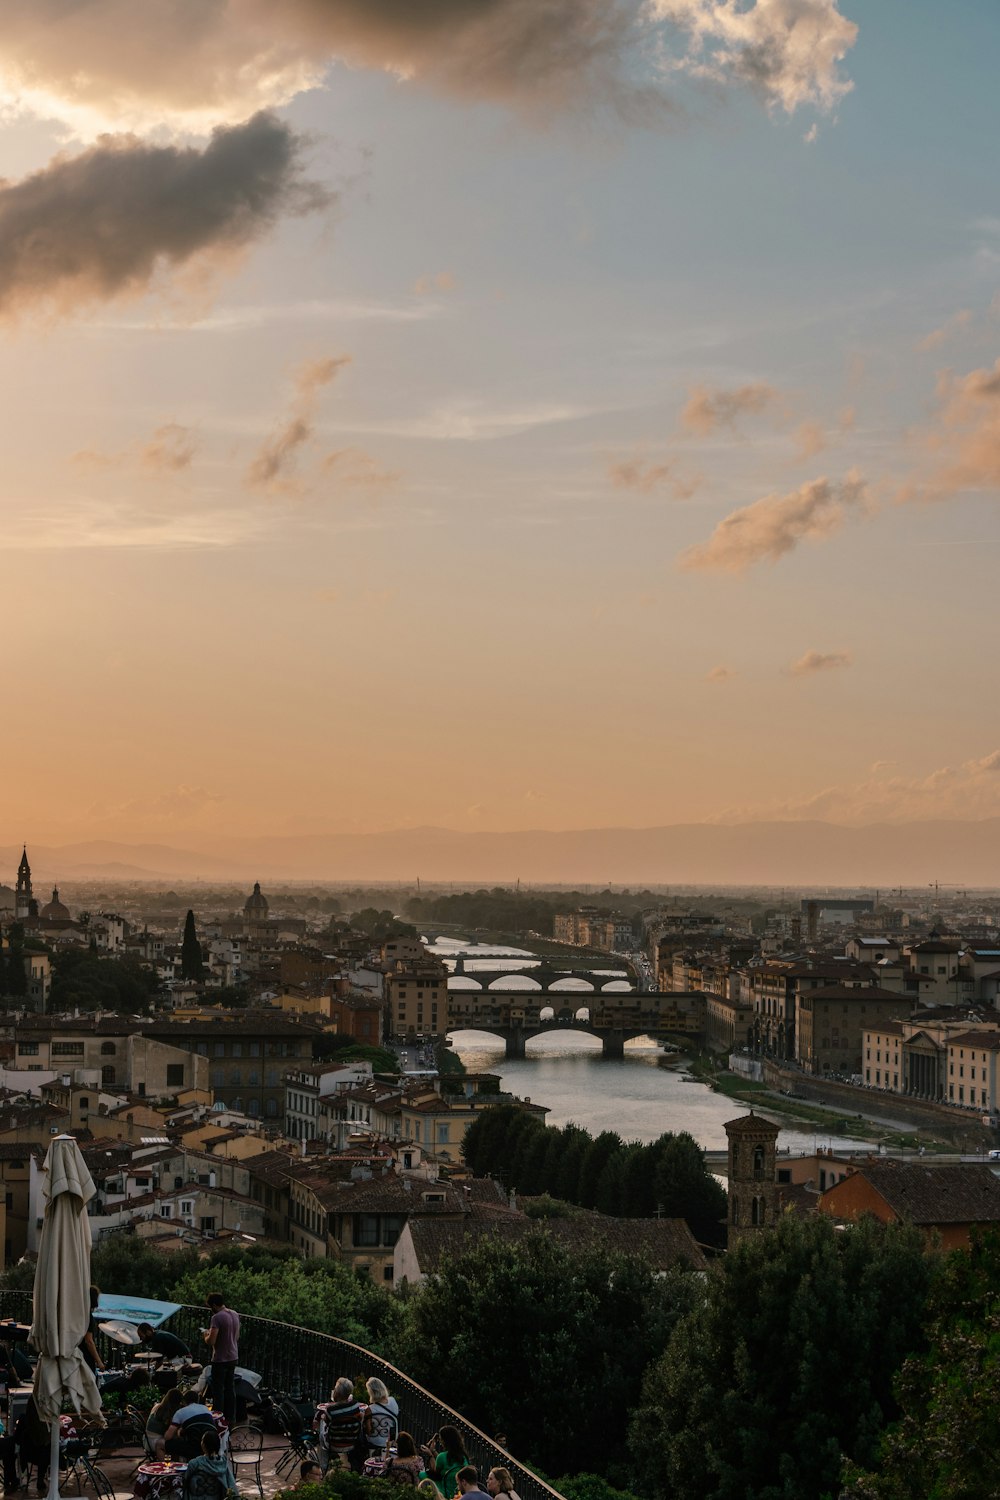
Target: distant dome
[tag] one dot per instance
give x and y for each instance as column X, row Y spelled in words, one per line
column 255, row 907
column 54, row 911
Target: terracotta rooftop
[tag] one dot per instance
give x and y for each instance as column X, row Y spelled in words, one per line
column 968, row 1194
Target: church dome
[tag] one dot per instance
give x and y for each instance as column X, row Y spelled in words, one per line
column 54, row 911
column 255, row 907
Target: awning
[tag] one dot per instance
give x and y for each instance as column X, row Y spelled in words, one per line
column 134, row 1309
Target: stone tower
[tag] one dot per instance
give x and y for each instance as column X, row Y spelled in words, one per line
column 753, row 1188
column 22, row 894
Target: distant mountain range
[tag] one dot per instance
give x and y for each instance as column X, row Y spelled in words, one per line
column 808, row 853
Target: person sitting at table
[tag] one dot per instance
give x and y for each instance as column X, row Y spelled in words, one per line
column 343, row 1423
column 500, row 1485
column 15, row 1366
column 29, row 1443
column 162, row 1341
column 407, row 1465
column 160, row 1419
column 183, row 1436
column 467, row 1480
column 310, row 1472
column 208, row 1476
column 445, row 1455
column 383, row 1416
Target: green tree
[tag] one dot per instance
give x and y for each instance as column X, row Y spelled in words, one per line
column 192, row 966
column 682, row 1187
column 945, row 1445
column 786, row 1366
column 321, row 1294
column 596, row 1158
column 544, row 1344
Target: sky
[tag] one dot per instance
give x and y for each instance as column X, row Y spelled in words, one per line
column 497, row 414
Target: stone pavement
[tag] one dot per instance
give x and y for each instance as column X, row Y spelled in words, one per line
column 120, row 1469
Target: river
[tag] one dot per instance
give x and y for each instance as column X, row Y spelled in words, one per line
column 641, row 1095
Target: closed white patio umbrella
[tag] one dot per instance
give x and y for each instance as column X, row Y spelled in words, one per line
column 62, row 1295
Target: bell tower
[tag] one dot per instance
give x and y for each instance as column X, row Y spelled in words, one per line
column 22, row 893
column 753, row 1187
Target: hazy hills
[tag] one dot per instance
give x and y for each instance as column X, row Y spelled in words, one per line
column 805, row 853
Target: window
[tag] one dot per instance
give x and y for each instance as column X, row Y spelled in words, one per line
column 28, row 1049
column 187, row 1205
column 271, row 1108
column 218, row 1078
column 175, row 1075
column 108, row 1049
column 253, row 1049
column 207, row 1224
column 67, row 1049
column 237, row 1049
column 166, row 1210
column 366, row 1229
column 218, row 1049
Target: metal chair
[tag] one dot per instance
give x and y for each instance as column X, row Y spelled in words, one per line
column 301, row 1441
column 246, row 1447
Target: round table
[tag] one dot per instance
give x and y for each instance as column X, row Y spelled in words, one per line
column 159, row 1481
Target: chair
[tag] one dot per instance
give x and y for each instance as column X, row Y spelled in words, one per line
column 246, row 1447
column 301, row 1442
column 384, row 1427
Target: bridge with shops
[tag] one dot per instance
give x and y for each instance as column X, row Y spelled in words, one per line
column 614, row 1018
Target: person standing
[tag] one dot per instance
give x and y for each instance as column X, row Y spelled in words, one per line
column 223, row 1336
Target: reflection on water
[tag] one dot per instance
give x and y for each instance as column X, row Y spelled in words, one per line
column 640, row 1096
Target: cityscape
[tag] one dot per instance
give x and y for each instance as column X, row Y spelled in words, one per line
column 500, row 799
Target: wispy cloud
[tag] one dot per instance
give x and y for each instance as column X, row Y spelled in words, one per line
column 273, row 465
column 720, row 674
column 970, row 789
column 647, row 478
column 170, row 450
column 774, row 526
column 961, row 445
column 709, row 408
column 938, row 336
column 98, row 524
column 819, row 661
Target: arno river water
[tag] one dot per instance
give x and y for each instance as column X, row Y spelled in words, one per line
column 640, row 1096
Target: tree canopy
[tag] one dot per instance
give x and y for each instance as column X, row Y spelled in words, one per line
column 627, row 1179
column 785, row 1366
column 544, row 1344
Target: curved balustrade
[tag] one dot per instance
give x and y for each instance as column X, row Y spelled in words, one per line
column 304, row 1363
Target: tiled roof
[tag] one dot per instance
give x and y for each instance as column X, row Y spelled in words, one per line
column 750, row 1124
column 666, row 1242
column 968, row 1194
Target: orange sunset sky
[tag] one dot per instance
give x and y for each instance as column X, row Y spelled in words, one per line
column 496, row 414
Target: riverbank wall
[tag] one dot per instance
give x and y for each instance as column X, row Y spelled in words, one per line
column 963, row 1128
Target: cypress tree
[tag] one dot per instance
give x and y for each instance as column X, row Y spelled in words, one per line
column 191, row 964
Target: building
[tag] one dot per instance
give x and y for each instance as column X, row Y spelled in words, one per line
column 425, row 1241
column 829, row 1020
column 945, row 1203
column 120, row 1053
column 753, row 1190
column 416, row 999
column 249, row 1053
column 306, row 1086
column 728, row 1022
column 25, row 905
column 931, row 1055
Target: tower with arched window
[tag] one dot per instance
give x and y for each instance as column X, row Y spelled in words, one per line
column 753, row 1189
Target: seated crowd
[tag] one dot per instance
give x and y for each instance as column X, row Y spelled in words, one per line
column 366, row 1437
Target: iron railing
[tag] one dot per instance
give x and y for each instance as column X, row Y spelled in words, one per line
column 304, row 1364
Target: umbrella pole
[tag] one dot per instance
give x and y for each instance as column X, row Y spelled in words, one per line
column 53, row 1493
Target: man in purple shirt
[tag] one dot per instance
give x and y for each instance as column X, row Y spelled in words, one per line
column 222, row 1335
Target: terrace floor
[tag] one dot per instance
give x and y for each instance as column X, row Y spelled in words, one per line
column 120, row 1469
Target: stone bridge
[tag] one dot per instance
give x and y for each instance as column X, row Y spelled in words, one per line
column 614, row 1019
column 543, row 977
